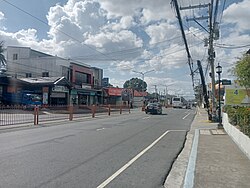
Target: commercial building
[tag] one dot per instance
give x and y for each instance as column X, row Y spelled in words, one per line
column 57, row 80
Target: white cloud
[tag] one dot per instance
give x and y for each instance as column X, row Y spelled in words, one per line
column 161, row 32
column 2, row 16
column 238, row 14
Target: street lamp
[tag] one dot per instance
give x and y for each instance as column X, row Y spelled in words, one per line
column 143, row 86
column 219, row 71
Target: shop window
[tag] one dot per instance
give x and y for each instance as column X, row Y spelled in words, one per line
column 28, row 75
column 15, row 56
column 45, row 74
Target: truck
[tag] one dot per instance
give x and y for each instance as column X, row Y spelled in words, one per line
column 26, row 99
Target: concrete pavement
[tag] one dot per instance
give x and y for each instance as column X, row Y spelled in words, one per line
column 209, row 159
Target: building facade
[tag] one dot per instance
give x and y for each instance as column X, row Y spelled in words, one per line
column 85, row 81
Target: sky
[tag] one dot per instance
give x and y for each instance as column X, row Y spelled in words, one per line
column 125, row 37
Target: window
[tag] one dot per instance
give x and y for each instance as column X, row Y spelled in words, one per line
column 15, row 56
column 28, row 75
column 82, row 78
column 45, row 74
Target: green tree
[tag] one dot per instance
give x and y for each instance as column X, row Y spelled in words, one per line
column 3, row 61
column 136, row 83
column 242, row 71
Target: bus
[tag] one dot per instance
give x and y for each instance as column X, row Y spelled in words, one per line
column 178, row 102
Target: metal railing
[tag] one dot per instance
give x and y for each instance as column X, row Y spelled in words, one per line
column 12, row 115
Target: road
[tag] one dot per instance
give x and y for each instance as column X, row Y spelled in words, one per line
column 135, row 150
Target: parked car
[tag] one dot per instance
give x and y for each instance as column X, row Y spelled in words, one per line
column 153, row 108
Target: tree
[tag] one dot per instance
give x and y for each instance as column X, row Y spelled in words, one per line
column 3, row 61
column 136, row 83
column 242, row 71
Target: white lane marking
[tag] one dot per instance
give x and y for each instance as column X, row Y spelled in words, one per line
column 146, row 118
column 186, row 116
column 100, row 129
column 107, row 181
column 189, row 177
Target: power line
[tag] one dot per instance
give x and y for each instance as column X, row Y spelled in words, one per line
column 231, row 47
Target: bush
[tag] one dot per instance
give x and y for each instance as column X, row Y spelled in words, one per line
column 239, row 116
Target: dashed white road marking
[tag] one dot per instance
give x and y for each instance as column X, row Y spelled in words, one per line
column 186, row 116
column 146, row 117
column 100, row 129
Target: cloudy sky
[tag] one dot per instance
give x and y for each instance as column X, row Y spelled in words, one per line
column 122, row 36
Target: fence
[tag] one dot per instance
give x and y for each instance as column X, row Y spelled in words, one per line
column 11, row 115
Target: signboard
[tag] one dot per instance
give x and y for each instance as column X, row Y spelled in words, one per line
column 60, row 88
column 226, row 82
column 236, row 96
column 86, row 86
column 114, row 91
column 126, row 95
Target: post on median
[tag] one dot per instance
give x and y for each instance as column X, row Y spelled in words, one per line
column 93, row 110
column 35, row 115
column 109, row 109
column 70, row 112
column 121, row 109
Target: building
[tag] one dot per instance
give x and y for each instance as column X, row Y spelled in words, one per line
column 83, row 85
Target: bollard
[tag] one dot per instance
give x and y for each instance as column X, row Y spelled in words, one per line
column 93, row 111
column 109, row 110
column 143, row 108
column 70, row 112
column 128, row 109
column 35, row 115
column 120, row 109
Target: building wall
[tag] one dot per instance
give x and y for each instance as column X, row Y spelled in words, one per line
column 22, row 60
column 98, row 76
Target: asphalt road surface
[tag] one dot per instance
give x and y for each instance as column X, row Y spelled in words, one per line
column 130, row 150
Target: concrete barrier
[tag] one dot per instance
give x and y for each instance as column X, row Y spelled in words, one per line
column 242, row 141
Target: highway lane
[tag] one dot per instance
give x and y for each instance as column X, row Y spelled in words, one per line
column 91, row 152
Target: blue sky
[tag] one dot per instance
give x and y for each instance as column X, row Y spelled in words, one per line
column 125, row 36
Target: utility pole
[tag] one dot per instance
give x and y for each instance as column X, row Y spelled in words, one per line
column 213, row 35
column 190, row 63
column 143, row 86
column 143, row 74
column 156, row 91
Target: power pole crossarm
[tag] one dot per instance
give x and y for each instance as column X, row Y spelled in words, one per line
column 194, row 6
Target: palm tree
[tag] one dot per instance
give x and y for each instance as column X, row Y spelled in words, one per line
column 3, row 61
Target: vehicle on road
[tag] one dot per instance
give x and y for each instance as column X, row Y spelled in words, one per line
column 178, row 102
column 153, row 108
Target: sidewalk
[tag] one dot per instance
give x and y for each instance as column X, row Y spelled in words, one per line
column 209, row 159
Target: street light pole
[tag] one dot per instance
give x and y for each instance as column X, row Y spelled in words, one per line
column 143, row 86
column 219, row 71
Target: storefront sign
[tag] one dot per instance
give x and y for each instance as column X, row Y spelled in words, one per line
column 60, row 89
column 86, row 87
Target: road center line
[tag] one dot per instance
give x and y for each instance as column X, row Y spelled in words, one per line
column 100, row 129
column 186, row 116
column 107, row 181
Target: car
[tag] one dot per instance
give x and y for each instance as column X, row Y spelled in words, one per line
column 188, row 106
column 153, row 108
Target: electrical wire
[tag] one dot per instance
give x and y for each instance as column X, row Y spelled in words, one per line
column 230, row 46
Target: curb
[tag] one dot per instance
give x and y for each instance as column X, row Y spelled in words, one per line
column 178, row 171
